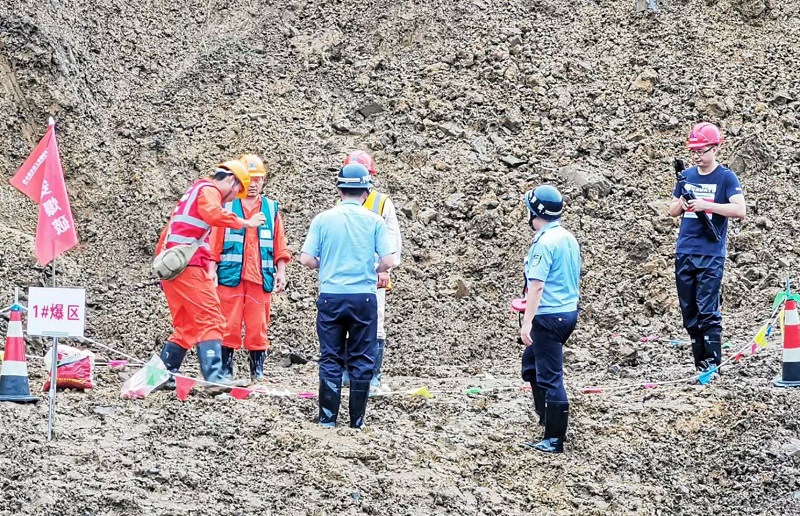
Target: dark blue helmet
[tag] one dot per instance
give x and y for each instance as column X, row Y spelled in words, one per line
column 545, row 202
column 353, row 175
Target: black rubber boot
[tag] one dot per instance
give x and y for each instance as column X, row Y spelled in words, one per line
column 538, row 401
column 257, row 365
column 359, row 394
column 555, row 430
column 227, row 361
column 698, row 350
column 209, row 354
column 330, row 396
column 172, row 355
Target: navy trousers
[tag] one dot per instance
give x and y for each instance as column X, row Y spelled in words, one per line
column 699, row 279
column 347, row 326
column 543, row 361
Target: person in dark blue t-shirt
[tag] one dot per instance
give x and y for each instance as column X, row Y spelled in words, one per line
column 699, row 259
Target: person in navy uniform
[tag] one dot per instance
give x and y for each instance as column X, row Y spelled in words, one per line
column 699, row 259
column 342, row 243
column 552, row 272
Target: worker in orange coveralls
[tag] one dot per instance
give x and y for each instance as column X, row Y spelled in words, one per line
column 192, row 296
column 252, row 265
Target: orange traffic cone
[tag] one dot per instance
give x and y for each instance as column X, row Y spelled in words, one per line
column 791, row 346
column 14, row 384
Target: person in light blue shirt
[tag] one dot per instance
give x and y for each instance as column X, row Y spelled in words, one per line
column 552, row 273
column 342, row 243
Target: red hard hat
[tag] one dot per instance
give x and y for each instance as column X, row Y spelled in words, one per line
column 363, row 158
column 703, row 135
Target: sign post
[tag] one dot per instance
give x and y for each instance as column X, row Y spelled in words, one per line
column 56, row 312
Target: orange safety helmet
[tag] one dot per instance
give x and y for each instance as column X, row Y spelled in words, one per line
column 362, row 158
column 703, row 135
column 254, row 165
column 238, row 169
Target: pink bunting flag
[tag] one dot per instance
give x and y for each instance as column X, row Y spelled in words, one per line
column 592, row 390
column 240, row 393
column 183, row 386
column 306, row 395
column 753, row 348
column 650, row 385
column 649, row 338
column 525, row 387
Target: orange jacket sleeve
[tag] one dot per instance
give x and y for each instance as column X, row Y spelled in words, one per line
column 281, row 244
column 215, row 241
column 209, row 206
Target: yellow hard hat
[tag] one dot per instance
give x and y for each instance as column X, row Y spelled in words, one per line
column 238, row 169
column 254, row 165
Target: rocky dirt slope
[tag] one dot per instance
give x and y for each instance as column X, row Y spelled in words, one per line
column 465, row 106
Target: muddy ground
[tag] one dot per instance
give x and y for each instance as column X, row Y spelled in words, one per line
column 465, row 105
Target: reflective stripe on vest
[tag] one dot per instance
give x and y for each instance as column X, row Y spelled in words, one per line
column 231, row 260
column 375, row 202
column 186, row 226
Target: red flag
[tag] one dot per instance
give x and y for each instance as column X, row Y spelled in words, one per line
column 182, row 387
column 42, row 179
column 240, row 393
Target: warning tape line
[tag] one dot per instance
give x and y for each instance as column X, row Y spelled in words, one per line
column 469, row 391
column 103, row 346
column 423, row 391
column 110, row 363
column 202, row 383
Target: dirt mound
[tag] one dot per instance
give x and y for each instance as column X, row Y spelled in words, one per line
column 465, row 106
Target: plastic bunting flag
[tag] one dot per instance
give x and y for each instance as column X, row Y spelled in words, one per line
column 306, row 395
column 650, row 385
column 155, row 376
column 240, row 393
column 738, row 356
column 422, row 391
column 592, row 390
column 753, row 348
column 183, row 387
column 761, row 337
column 472, row 390
column 706, row 376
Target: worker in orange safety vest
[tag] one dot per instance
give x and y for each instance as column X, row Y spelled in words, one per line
column 380, row 204
column 251, row 266
column 192, row 296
